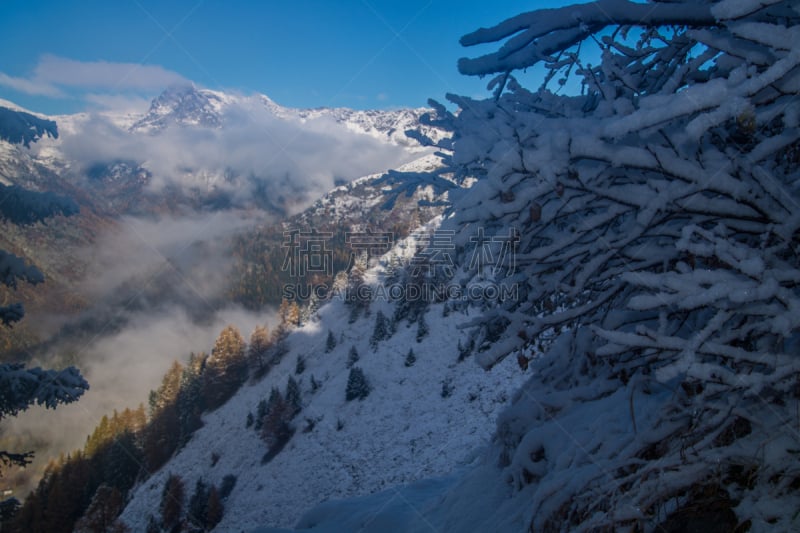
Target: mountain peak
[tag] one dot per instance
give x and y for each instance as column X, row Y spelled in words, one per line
column 182, row 104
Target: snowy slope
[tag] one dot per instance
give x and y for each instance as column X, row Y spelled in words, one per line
column 667, row 396
column 404, row 431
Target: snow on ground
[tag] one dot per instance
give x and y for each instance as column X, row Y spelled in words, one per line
column 404, row 431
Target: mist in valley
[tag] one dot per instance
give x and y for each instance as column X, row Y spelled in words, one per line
column 157, row 285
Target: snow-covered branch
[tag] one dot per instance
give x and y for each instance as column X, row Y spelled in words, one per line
column 534, row 36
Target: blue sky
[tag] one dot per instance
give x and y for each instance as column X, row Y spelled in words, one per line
column 61, row 57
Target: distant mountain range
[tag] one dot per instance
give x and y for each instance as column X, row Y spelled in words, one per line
column 187, row 105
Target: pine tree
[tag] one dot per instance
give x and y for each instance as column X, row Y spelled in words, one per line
column 352, row 357
column 23, row 387
column 226, row 369
column 410, row 358
column 22, row 207
column 261, row 412
column 227, row 486
column 380, row 331
column 330, row 343
column 422, row 327
column 167, row 393
column 214, row 508
column 276, row 430
column 172, row 503
column 300, row 365
column 101, row 516
column 122, row 459
column 197, row 512
column 257, row 350
column 293, row 397
column 191, row 401
column 357, row 385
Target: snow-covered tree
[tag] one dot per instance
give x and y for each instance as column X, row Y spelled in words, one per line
column 172, row 500
column 422, row 327
column 357, row 385
column 352, row 357
column 381, row 330
column 294, row 400
column 330, row 342
column 257, row 350
column 20, row 387
column 658, row 261
column 22, row 207
column 197, row 511
column 410, row 358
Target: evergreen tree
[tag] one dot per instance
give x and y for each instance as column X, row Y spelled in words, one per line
column 293, row 397
column 330, row 343
column 8, row 510
column 250, row 419
column 352, row 357
column 422, row 327
column 257, row 350
column 227, row 485
column 198, row 505
column 101, row 516
column 23, row 387
column 410, row 358
column 121, row 460
column 275, row 430
column 447, row 388
column 381, row 329
column 172, row 503
column 357, row 385
column 261, row 412
column 214, row 509
column 190, row 400
column 167, row 393
column 300, row 365
column 160, row 438
column 22, row 207
column 226, row 369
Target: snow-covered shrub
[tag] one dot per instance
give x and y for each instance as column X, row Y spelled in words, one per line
column 659, row 255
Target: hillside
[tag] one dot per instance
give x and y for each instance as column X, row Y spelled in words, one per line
column 657, row 268
column 587, row 317
column 123, row 261
column 405, row 430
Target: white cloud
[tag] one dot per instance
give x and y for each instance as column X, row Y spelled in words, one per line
column 103, row 74
column 53, row 74
column 255, row 158
column 26, row 86
column 121, row 103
